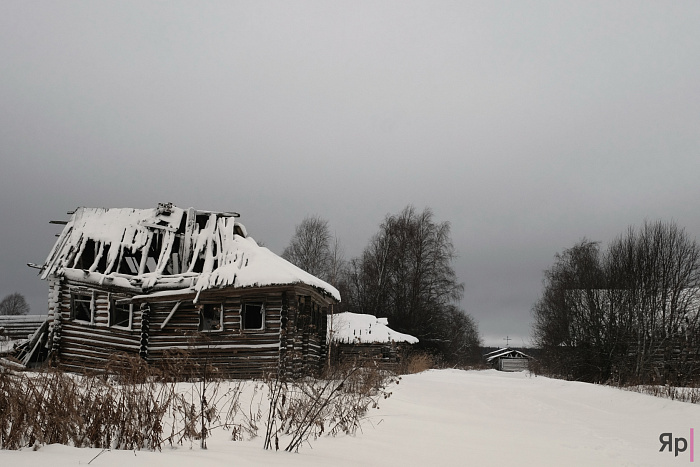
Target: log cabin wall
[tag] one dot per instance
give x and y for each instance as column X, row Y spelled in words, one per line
column 387, row 356
column 290, row 342
column 231, row 350
column 82, row 345
column 303, row 341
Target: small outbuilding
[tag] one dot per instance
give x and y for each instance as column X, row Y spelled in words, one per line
column 360, row 339
column 23, row 337
column 507, row 359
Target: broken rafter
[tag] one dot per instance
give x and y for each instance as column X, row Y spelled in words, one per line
column 170, row 315
column 218, row 214
column 144, row 253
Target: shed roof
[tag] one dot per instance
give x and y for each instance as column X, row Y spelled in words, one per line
column 168, row 248
column 506, row 352
column 355, row 328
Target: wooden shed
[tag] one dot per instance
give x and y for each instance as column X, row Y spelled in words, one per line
column 154, row 282
column 507, row 359
column 24, row 338
column 361, row 338
column 20, row 327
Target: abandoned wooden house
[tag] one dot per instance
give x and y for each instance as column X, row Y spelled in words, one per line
column 360, row 339
column 151, row 282
column 508, row 359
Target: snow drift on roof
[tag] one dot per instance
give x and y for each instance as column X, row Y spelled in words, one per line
column 245, row 264
column 355, row 328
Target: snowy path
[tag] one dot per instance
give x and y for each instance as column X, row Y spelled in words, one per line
column 452, row 417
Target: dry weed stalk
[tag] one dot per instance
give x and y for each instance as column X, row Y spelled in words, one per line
column 337, row 403
column 128, row 406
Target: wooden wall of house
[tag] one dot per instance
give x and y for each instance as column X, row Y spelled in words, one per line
column 292, row 340
column 84, row 346
column 231, row 351
column 303, row 340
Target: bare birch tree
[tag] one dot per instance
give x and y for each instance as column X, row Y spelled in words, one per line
column 405, row 274
column 316, row 251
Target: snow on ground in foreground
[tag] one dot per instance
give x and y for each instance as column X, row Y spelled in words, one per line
column 452, row 417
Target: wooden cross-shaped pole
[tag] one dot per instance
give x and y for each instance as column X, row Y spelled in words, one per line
column 507, row 339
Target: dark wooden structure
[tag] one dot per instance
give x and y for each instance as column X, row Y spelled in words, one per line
column 20, row 327
column 362, row 339
column 507, row 359
column 170, row 283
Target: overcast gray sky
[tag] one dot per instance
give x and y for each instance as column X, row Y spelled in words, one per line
column 527, row 125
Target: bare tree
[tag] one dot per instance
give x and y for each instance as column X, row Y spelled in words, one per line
column 630, row 314
column 655, row 272
column 406, row 274
column 14, row 304
column 315, row 250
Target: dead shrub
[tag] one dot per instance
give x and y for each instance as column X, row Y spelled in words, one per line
column 418, row 362
column 127, row 406
column 682, row 394
column 131, row 405
column 336, row 403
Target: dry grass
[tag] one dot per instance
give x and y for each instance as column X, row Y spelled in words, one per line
column 128, row 406
column 133, row 406
column 83, row 411
column 417, row 363
column 337, row 403
column 683, row 394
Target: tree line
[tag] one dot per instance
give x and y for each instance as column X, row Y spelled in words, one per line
column 626, row 314
column 405, row 274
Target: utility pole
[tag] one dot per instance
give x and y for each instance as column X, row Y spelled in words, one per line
column 507, row 339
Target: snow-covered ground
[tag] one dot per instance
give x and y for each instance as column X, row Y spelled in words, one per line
column 452, row 417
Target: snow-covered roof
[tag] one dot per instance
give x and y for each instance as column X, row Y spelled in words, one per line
column 168, row 248
column 505, row 352
column 355, row 328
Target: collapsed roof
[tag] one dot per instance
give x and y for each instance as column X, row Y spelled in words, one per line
column 168, row 249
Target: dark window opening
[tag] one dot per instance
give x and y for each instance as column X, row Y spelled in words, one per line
column 253, row 316
column 120, row 314
column 81, row 307
column 210, row 317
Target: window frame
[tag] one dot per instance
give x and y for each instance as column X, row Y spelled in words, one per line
column 200, row 312
column 115, row 302
column 80, row 296
column 243, row 312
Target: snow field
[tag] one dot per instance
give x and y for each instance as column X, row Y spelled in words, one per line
column 450, row 417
